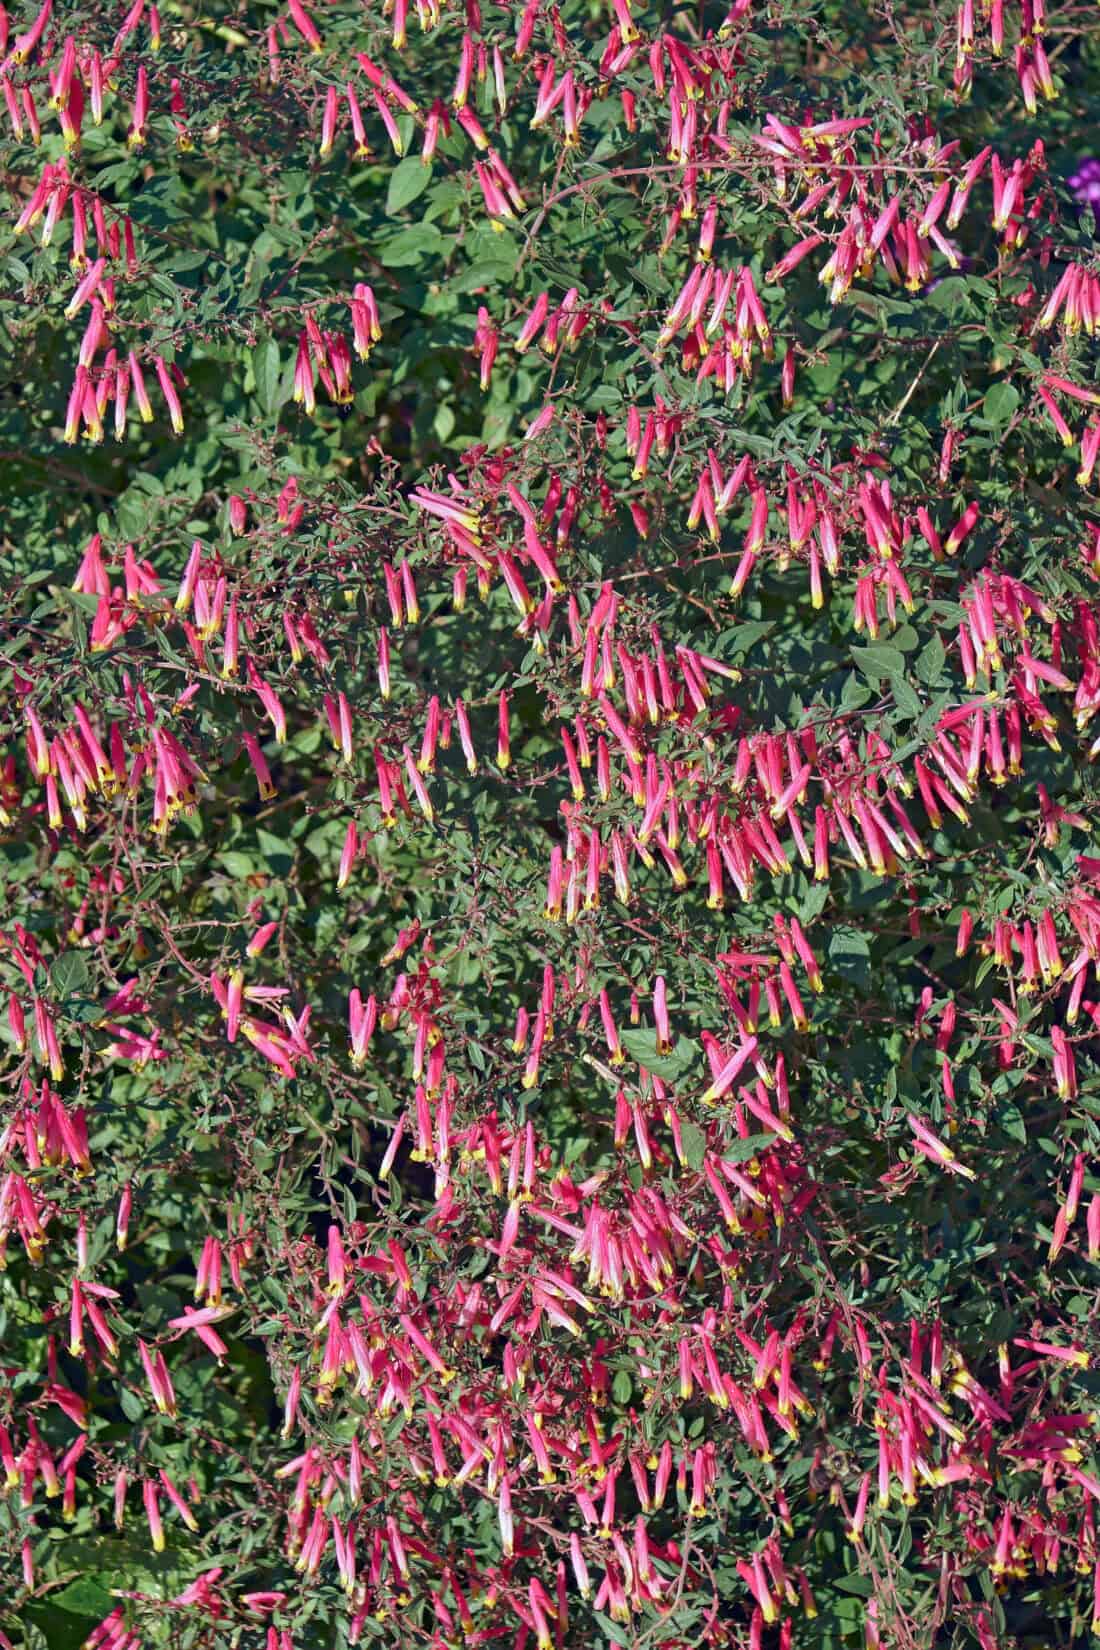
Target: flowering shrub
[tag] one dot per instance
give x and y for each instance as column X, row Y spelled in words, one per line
column 550, row 948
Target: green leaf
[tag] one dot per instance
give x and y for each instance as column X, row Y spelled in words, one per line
column 485, row 272
column 132, row 513
column 237, row 864
column 741, row 638
column 276, row 851
column 410, row 245
column 132, row 1406
column 854, row 692
column 851, row 955
column 694, row 1141
column 949, row 295
column 931, row 660
column 905, row 698
column 69, row 973
column 878, row 660
column 813, row 901
column 83, row 1598
column 266, row 371
column 751, row 1146
column 408, row 179
column 1000, row 404
column 1012, row 1121
column 641, row 1044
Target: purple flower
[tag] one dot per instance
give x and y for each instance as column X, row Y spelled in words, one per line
column 1085, row 182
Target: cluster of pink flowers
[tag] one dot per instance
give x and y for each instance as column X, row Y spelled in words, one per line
column 520, row 1365
column 326, row 355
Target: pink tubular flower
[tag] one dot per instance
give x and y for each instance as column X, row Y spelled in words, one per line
column 961, row 528
column 504, row 1517
column 136, row 135
column 168, row 389
column 328, row 122
column 87, row 288
column 792, row 258
column 540, row 423
column 727, row 1072
column 151, row 1500
column 934, row 1148
column 1048, row 1349
column 156, row 1372
column 348, row 855
column 304, row 24
column 201, row 1321
column 660, row 1016
column 419, row 789
column 504, row 754
column 1065, row 1068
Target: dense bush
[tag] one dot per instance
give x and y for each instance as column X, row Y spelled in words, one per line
column 550, row 922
